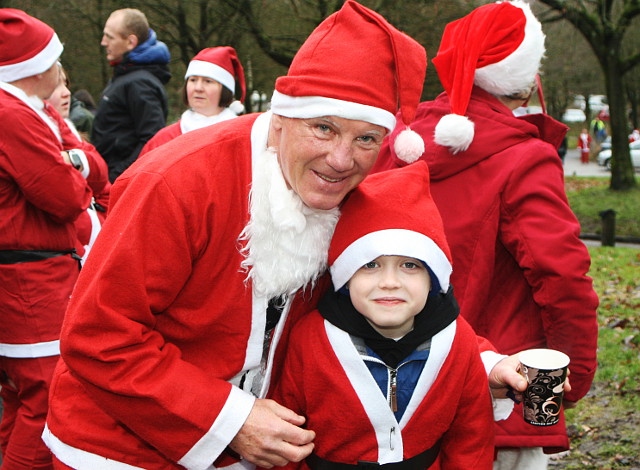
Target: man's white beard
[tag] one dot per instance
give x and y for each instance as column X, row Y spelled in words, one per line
column 286, row 242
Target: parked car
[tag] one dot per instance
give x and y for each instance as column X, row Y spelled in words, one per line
column 604, row 157
column 574, row 115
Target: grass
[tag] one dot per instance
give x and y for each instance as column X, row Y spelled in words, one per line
column 590, row 196
column 605, row 427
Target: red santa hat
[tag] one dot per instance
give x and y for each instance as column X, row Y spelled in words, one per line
column 27, row 45
column 498, row 47
column 390, row 213
column 355, row 65
column 220, row 64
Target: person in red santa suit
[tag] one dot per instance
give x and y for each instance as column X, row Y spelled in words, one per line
column 89, row 223
column 172, row 336
column 520, row 268
column 212, row 78
column 42, row 193
column 385, row 371
column 584, row 144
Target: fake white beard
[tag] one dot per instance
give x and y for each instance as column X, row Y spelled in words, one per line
column 286, row 242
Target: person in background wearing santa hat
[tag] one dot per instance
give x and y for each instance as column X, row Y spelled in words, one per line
column 385, row 371
column 134, row 104
column 215, row 244
column 584, row 144
column 520, row 269
column 209, row 92
column 44, row 190
column 90, row 221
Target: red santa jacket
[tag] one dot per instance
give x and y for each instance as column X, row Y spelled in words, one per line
column 40, row 197
column 326, row 380
column 163, row 136
column 162, row 320
column 519, row 268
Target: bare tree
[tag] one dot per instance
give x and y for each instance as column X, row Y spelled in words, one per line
column 604, row 24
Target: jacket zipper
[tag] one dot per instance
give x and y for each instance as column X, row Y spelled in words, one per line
column 393, row 386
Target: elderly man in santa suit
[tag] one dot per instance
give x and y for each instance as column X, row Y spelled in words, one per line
column 215, row 244
column 43, row 190
column 169, row 341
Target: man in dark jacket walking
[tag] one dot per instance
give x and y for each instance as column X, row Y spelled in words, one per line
column 133, row 106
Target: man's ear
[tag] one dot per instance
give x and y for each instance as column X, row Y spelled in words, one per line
column 132, row 42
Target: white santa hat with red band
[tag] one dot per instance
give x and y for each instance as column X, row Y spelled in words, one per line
column 220, row 64
column 390, row 213
column 355, row 65
column 498, row 47
column 27, row 45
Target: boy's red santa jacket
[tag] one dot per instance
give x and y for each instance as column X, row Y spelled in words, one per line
column 40, row 197
column 326, row 380
column 150, row 350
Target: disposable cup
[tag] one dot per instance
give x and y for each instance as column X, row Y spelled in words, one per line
column 545, row 371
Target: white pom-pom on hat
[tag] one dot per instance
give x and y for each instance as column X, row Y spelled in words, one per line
column 497, row 47
column 408, row 146
column 454, row 131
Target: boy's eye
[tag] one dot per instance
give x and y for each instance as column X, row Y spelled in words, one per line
column 370, row 265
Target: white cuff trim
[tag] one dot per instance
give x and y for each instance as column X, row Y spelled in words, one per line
column 225, row 427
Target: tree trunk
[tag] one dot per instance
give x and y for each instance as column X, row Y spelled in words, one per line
column 622, row 171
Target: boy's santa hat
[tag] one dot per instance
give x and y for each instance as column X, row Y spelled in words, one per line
column 390, row 213
column 220, row 64
column 355, row 65
column 498, row 47
column 27, row 45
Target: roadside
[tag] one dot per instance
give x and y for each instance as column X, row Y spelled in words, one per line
column 573, row 166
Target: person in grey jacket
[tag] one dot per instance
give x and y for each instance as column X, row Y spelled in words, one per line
column 134, row 105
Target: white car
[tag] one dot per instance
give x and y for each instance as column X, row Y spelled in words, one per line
column 574, row 115
column 604, row 157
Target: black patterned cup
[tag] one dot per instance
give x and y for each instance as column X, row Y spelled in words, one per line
column 545, row 371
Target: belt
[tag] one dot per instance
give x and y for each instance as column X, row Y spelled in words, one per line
column 26, row 256
column 421, row 461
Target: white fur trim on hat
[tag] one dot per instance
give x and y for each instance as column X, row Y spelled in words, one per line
column 39, row 63
column 454, row 131
column 202, row 68
column 305, row 107
column 517, row 72
column 392, row 242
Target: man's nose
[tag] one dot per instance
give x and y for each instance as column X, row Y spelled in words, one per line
column 340, row 157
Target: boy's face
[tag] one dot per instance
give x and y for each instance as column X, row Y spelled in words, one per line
column 389, row 292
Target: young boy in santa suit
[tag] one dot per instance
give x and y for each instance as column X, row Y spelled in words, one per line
column 385, row 370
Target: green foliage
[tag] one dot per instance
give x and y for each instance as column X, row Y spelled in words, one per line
column 590, row 196
column 604, row 428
